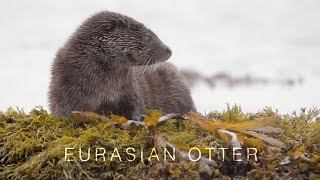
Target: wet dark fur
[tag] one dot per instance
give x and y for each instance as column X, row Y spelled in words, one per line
column 106, row 67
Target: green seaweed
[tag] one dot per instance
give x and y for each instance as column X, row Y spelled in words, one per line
column 32, row 146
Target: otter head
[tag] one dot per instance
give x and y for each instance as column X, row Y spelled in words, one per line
column 122, row 40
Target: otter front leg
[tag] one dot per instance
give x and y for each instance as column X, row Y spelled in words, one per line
column 132, row 107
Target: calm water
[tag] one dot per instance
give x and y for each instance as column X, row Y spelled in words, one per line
column 272, row 39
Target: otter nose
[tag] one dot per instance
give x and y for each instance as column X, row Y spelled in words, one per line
column 168, row 50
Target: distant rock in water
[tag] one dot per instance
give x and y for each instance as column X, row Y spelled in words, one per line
column 226, row 79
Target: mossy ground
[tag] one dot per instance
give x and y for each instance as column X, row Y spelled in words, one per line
column 32, row 146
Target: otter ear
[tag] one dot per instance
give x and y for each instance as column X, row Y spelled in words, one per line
column 119, row 24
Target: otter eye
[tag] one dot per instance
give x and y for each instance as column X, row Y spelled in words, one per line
column 147, row 38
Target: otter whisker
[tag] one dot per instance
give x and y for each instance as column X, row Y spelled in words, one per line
column 145, row 66
column 154, row 67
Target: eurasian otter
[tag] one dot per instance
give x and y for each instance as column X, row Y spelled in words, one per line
column 106, row 67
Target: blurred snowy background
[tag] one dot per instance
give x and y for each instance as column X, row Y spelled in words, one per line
column 275, row 40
